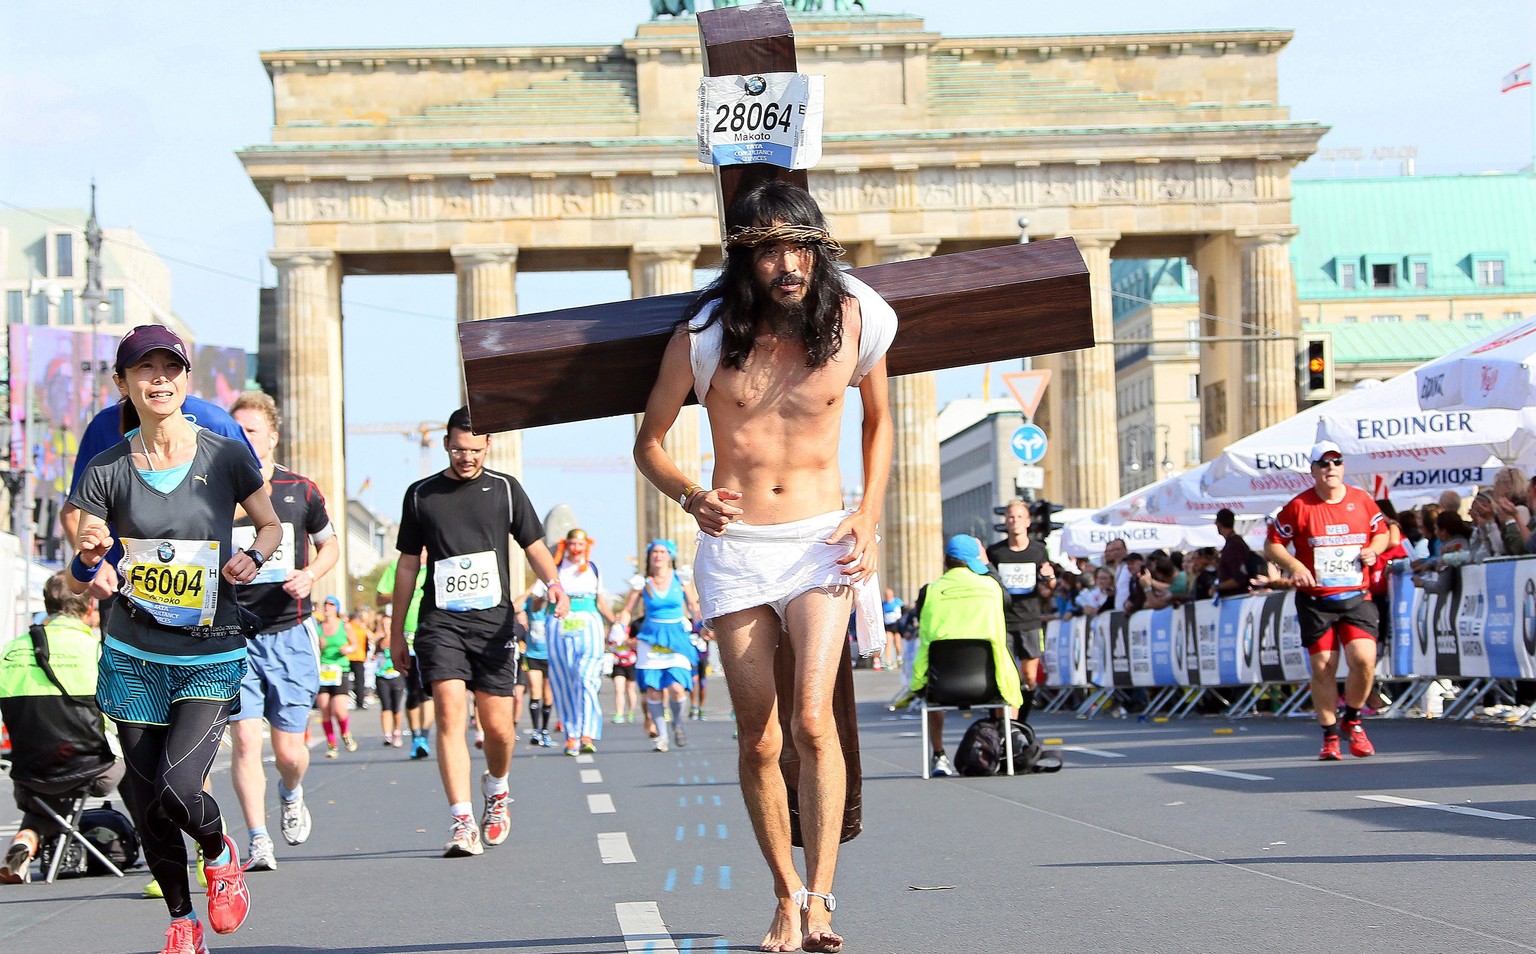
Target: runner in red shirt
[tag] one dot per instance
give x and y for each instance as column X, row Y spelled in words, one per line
column 1336, row 533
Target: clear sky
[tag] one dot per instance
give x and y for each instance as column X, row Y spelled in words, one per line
column 153, row 99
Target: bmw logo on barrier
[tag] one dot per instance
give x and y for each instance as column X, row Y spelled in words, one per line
column 756, row 85
column 1250, row 641
column 1421, row 623
column 1528, row 617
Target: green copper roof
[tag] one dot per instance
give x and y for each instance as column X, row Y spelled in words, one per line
column 1404, row 342
column 1448, row 222
column 1162, row 281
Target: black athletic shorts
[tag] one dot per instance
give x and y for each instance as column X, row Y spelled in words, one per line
column 624, row 672
column 391, row 693
column 538, row 665
column 1022, row 646
column 416, row 691
column 1319, row 617
column 486, row 664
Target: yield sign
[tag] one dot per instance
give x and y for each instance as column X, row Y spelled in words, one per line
column 1027, row 387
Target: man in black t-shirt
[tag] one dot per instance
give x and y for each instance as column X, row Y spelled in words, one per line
column 282, row 671
column 1024, row 569
column 466, row 631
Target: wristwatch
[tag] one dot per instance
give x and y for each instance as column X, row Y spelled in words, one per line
column 256, row 556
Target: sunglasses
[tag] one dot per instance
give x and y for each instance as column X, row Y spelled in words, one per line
column 1329, row 462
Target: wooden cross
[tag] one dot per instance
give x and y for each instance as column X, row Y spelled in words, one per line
column 602, row 360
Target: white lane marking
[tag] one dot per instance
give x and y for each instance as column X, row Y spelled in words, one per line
column 1457, row 809
column 600, row 804
column 585, row 759
column 1101, row 753
column 644, row 933
column 1244, row 776
column 591, row 776
column 614, row 848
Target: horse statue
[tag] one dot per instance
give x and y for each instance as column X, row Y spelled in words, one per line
column 672, row 8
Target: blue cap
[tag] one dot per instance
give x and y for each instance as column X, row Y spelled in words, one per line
column 334, row 601
column 665, row 544
column 963, row 546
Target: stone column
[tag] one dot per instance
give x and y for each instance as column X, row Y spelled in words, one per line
column 1269, row 309
column 487, row 280
column 912, row 525
column 1085, row 448
column 665, row 270
column 310, row 386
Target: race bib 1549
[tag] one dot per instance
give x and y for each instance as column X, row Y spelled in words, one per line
column 765, row 117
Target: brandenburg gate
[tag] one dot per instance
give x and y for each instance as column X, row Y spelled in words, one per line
column 484, row 161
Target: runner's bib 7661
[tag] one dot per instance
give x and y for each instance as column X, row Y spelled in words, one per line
column 175, row 581
column 1338, row 566
column 279, row 564
column 471, row 581
column 1018, row 578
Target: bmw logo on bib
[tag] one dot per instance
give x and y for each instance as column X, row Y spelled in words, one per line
column 464, row 563
column 165, row 552
column 756, row 85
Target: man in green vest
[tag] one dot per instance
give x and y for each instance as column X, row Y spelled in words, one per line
column 418, row 701
column 58, row 737
column 965, row 603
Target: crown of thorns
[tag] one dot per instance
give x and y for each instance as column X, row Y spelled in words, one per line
column 749, row 236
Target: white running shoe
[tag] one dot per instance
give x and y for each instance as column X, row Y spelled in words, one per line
column 296, row 821
column 263, row 855
column 661, row 744
column 463, row 839
column 941, row 767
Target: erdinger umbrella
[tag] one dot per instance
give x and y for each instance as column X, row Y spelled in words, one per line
column 1088, row 538
column 1384, row 430
column 1497, row 372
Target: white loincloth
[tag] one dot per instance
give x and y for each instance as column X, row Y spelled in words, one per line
column 771, row 565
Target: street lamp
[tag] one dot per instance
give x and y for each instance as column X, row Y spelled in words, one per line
column 1167, row 463
column 24, row 511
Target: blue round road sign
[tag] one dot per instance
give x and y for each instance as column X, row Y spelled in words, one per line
column 1029, row 444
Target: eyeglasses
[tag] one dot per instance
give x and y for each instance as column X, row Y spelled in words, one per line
column 1328, row 462
column 466, row 452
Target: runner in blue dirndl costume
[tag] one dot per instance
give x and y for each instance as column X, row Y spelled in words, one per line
column 666, row 655
column 577, row 645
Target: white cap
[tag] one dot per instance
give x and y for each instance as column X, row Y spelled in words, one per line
column 1322, row 448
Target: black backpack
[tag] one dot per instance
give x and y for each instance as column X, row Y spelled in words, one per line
column 981, row 750
column 112, row 834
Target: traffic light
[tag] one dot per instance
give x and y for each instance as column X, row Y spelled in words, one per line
column 1040, row 514
column 1000, row 527
column 1316, row 367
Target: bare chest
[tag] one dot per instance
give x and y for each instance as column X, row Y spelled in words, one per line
column 776, row 381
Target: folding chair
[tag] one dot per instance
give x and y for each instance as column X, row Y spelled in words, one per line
column 71, row 826
column 961, row 676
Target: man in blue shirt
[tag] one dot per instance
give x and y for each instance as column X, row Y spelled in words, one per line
column 104, row 431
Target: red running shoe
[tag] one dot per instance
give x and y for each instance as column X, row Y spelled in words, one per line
column 1330, row 752
column 184, row 937
column 496, row 823
column 229, row 900
column 1359, row 746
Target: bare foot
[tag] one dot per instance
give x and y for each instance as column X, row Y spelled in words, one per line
column 784, row 933
column 819, row 936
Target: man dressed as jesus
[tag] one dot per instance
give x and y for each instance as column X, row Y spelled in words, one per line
column 770, row 348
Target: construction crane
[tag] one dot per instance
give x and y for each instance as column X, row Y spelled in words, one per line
column 421, row 432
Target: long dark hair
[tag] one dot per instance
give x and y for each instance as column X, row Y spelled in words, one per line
column 764, row 204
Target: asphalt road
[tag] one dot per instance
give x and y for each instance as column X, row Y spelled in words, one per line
column 1138, row 846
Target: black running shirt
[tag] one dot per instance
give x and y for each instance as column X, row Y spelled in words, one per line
column 1019, row 572
column 464, row 526
column 301, row 509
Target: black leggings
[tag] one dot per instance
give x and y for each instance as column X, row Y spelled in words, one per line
column 166, row 768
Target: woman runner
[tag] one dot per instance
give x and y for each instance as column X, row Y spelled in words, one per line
column 665, row 651
column 173, row 648
column 337, row 644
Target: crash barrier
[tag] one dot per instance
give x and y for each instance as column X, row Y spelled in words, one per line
column 1483, row 627
column 1478, row 625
